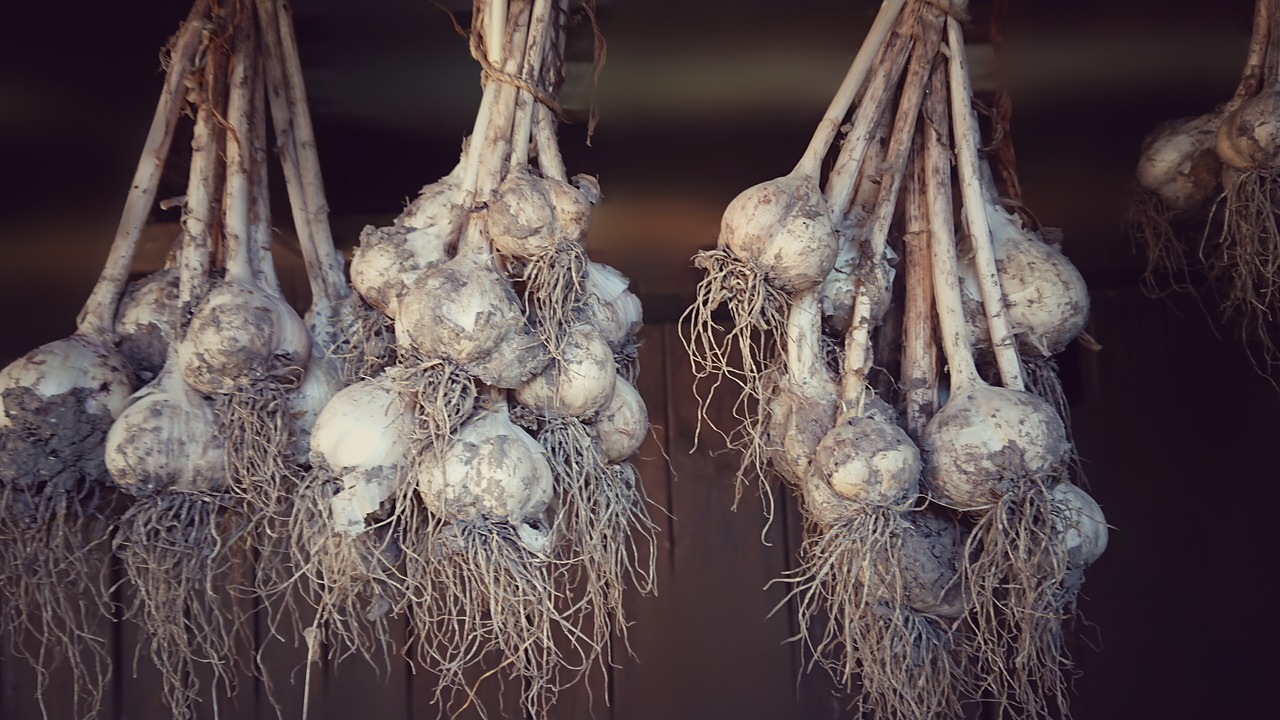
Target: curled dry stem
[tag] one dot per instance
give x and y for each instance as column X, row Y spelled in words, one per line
column 850, row 574
column 601, row 516
column 758, row 313
column 1020, row 592
column 178, row 551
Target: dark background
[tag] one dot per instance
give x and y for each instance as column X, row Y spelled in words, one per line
column 698, row 100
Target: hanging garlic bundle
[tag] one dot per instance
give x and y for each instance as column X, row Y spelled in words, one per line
column 512, row 503
column 943, row 545
column 57, row 404
column 1214, row 177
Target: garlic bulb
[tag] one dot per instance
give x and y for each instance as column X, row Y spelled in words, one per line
column 1079, row 521
column 362, row 436
column 869, row 462
column 927, row 563
column 530, row 215
column 783, row 226
column 241, row 335
column 465, row 312
column 623, row 423
column 1249, row 136
column 63, row 366
column 579, row 382
column 1179, row 163
column 985, row 438
column 144, row 322
column 166, row 438
column 493, row 471
column 610, row 306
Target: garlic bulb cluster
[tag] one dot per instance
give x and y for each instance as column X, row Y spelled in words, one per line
column 513, row 387
column 938, row 505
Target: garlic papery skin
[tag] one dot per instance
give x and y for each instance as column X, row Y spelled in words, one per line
column 987, row 438
column 869, row 462
column 610, row 305
column 68, row 364
column 579, row 382
column 144, row 322
column 492, row 471
column 243, row 335
column 362, row 436
column 1249, row 136
column 783, row 227
column 166, row 438
column 530, row 215
column 1179, row 162
column 623, row 423
column 928, row 559
column 465, row 312
column 1079, row 521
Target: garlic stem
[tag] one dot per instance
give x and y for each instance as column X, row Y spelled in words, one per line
column 200, row 206
column 235, row 206
column 497, row 142
column 804, row 351
column 260, row 209
column 965, row 134
column 866, row 118
column 856, row 77
column 942, row 243
column 532, row 73
column 549, row 159
column 97, row 317
column 296, row 139
column 873, row 287
column 1261, row 42
column 919, row 354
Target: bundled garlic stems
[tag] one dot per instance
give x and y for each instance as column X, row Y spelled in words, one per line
column 57, row 403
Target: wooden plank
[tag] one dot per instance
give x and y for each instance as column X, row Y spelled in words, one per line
column 355, row 688
column 726, row 656
column 640, row 678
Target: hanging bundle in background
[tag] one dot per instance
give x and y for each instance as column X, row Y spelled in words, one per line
column 1205, row 207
